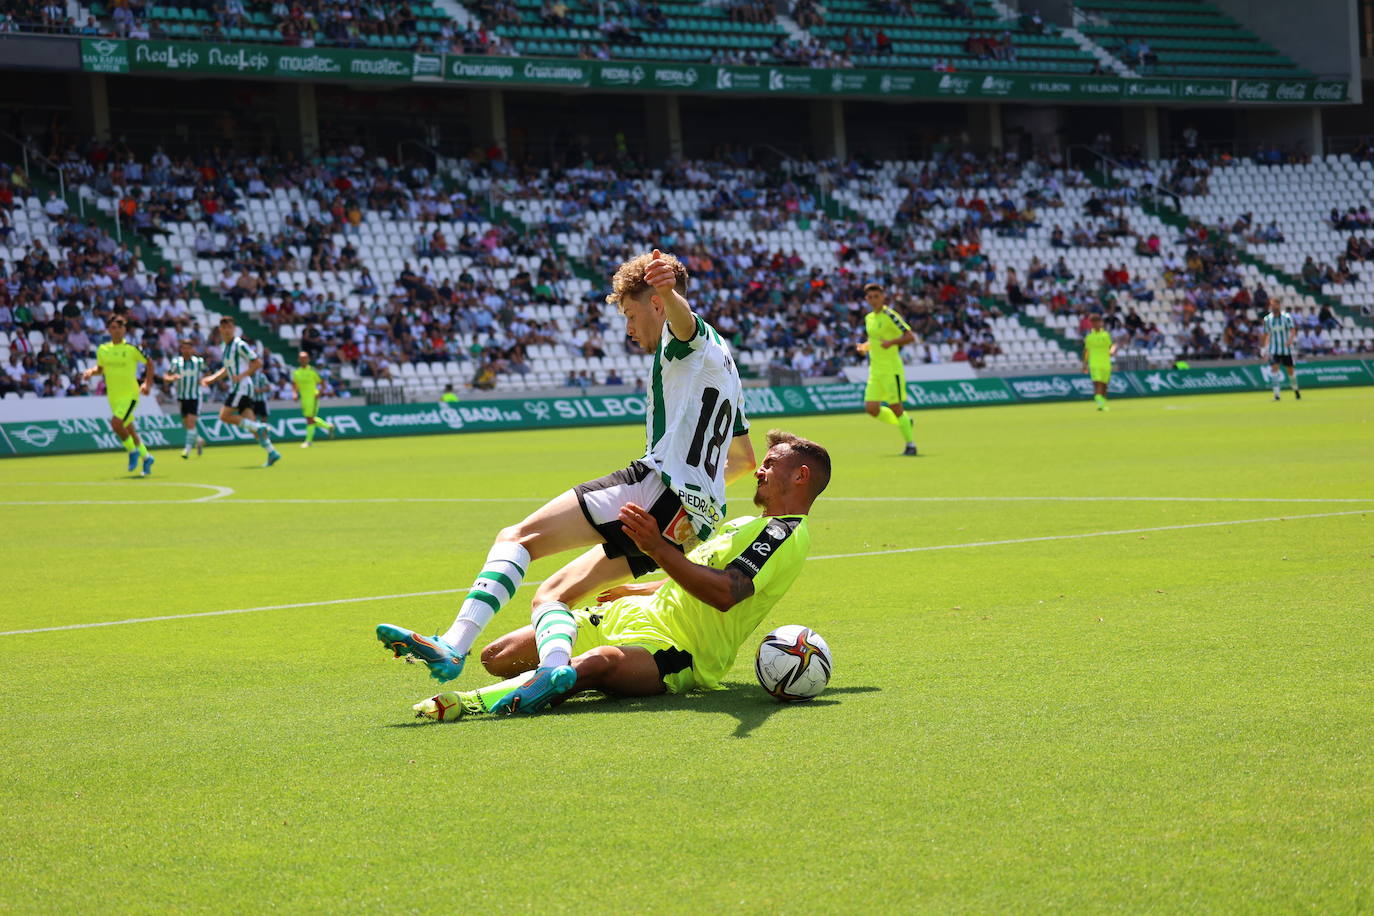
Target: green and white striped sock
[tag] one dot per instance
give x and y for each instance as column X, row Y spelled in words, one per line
column 555, row 631
column 495, row 585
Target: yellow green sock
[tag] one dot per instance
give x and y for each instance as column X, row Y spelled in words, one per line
column 142, row 449
column 319, row 421
column 907, row 427
column 310, row 433
column 1101, row 401
column 128, row 443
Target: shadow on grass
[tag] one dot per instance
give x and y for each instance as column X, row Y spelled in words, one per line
column 748, row 705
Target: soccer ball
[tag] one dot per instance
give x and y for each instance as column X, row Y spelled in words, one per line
column 793, row 663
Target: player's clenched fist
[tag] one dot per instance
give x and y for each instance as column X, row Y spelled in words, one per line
column 641, row 527
column 659, row 274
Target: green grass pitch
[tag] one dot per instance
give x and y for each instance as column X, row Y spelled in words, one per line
column 1082, row 662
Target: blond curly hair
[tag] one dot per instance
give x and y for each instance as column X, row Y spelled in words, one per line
column 629, row 283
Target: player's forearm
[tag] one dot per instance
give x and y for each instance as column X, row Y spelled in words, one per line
column 740, row 459
column 712, row 586
column 680, row 319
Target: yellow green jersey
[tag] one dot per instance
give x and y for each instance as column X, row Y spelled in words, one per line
column 882, row 325
column 120, row 362
column 1098, row 346
column 770, row 551
column 307, row 383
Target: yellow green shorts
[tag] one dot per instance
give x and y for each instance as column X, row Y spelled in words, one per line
column 123, row 408
column 1100, row 371
column 886, row 385
column 310, row 408
column 630, row 622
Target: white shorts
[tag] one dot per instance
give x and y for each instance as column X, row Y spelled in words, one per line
column 602, row 498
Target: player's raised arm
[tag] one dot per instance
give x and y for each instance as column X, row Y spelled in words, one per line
column 740, row 459
column 722, row 589
column 660, row 275
column 215, row 376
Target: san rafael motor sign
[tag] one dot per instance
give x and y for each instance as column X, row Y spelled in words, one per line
column 104, row 55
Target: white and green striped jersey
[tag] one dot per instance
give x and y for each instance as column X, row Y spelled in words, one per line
column 1278, row 327
column 261, row 386
column 696, row 406
column 191, row 370
column 238, row 356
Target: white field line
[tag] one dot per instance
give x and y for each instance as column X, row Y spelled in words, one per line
column 830, row 556
column 221, row 493
column 216, row 493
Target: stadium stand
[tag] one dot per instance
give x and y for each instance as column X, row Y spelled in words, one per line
column 1181, row 38
column 412, row 24
column 951, row 35
column 406, row 281
column 63, row 277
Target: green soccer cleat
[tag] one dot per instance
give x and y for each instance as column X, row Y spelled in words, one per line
column 444, row 664
column 449, row 707
column 536, row 693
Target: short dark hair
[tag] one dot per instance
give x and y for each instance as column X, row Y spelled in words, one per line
column 872, row 286
column 813, row 455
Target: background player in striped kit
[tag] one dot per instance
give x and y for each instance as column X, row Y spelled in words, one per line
column 306, row 381
column 1280, row 335
column 240, row 361
column 187, row 371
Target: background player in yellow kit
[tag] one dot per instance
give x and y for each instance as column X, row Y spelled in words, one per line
column 1098, row 350
column 885, row 393
column 306, row 381
column 118, row 361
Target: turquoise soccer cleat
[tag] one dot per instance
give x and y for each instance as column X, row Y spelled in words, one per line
column 444, row 664
column 272, row 458
column 148, row 465
column 133, row 459
column 539, row 691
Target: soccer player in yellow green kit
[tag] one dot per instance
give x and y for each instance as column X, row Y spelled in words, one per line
column 118, row 361
column 673, row 635
column 1098, row 351
column 885, row 394
column 306, row 381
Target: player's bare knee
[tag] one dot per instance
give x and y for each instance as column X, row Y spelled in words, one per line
column 897, row 409
column 871, row 408
column 519, row 533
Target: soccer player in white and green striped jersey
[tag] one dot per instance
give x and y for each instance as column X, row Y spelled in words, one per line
column 697, row 441
column 240, row 363
column 671, row 636
column 306, row 381
column 1280, row 343
column 187, row 369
